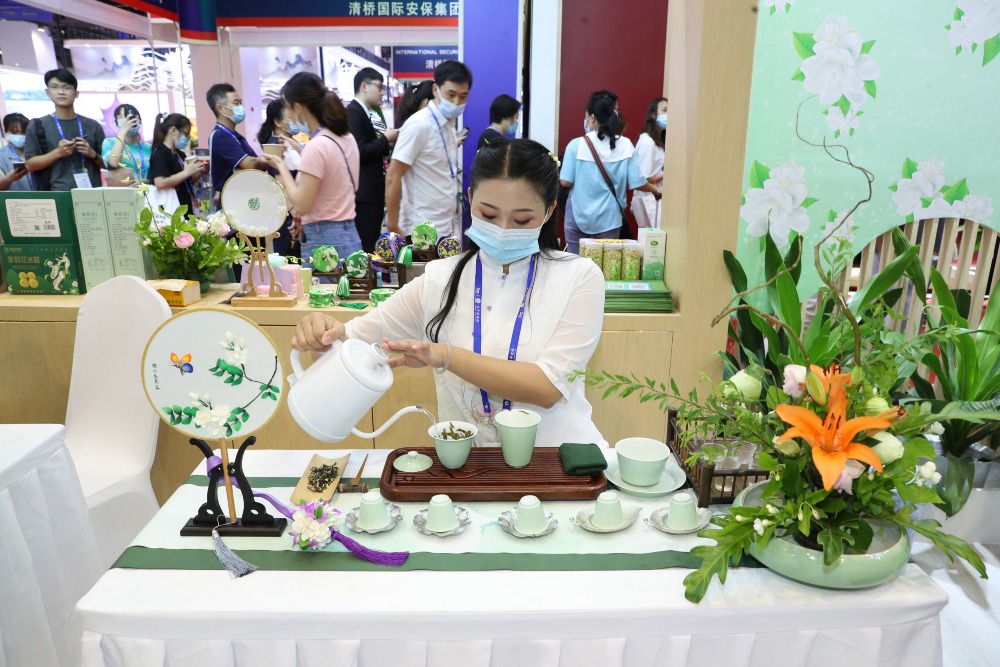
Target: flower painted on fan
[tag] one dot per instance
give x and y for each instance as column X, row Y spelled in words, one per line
column 776, row 202
column 212, row 419
column 976, row 24
column 830, row 438
column 236, row 350
column 184, row 240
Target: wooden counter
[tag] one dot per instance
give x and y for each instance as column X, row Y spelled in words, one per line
column 36, row 355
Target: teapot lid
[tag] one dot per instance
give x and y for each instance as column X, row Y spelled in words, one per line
column 367, row 363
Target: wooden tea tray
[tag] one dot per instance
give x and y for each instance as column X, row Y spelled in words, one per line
column 486, row 477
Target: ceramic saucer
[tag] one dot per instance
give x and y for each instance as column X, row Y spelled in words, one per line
column 585, row 520
column 508, row 518
column 462, row 513
column 412, row 462
column 672, row 479
column 395, row 516
column 658, row 520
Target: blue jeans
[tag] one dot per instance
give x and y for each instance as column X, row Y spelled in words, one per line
column 573, row 235
column 342, row 235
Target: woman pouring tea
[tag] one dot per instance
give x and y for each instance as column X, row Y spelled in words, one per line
column 504, row 323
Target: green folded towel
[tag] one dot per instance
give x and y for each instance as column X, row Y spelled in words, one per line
column 582, row 458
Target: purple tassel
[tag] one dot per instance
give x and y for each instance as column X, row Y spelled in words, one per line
column 392, row 558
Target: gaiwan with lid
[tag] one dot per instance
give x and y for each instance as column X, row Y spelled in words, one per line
column 339, row 389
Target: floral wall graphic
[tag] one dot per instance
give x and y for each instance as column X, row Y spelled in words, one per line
column 892, row 82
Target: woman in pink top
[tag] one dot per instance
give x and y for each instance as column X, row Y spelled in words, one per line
column 323, row 191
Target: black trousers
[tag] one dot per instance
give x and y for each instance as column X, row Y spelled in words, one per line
column 368, row 221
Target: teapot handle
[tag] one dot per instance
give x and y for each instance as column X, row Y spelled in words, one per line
column 392, row 420
column 297, row 371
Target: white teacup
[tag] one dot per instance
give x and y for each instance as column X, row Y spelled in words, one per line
column 608, row 511
column 373, row 513
column 682, row 513
column 641, row 461
column 441, row 514
column 530, row 516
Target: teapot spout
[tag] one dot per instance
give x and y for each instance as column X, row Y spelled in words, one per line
column 390, row 422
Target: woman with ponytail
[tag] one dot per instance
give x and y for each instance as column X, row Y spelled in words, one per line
column 504, row 323
column 322, row 193
column 600, row 167
column 169, row 169
column 279, row 129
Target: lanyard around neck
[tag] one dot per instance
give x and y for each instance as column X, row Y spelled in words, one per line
column 477, row 324
column 62, row 135
column 451, row 170
column 141, row 162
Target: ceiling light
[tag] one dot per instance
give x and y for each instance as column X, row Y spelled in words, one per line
column 41, row 29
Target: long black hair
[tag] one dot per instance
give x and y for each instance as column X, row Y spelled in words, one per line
column 413, row 97
column 166, row 123
column 272, row 115
column 123, row 111
column 509, row 160
column 307, row 89
column 602, row 106
column 650, row 127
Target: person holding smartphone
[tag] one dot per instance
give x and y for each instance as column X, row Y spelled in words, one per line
column 127, row 155
column 170, row 169
column 62, row 149
column 15, row 173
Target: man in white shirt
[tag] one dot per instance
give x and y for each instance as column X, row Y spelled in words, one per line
column 425, row 161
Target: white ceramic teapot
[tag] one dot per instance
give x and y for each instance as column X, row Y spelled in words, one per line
column 333, row 394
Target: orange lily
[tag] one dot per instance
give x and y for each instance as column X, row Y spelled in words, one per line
column 831, row 376
column 831, row 439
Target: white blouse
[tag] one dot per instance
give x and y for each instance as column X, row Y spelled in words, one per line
column 561, row 327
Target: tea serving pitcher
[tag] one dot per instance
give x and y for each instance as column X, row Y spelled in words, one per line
column 339, row 389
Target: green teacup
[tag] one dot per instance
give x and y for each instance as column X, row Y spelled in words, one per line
column 517, row 429
column 452, row 452
column 641, row 461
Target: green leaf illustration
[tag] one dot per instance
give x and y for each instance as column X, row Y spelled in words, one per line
column 958, row 50
column 798, row 76
column 844, row 104
column 229, row 431
column 870, row 88
column 974, row 47
column 237, row 425
column 804, row 43
column 851, row 132
column 926, row 201
column 956, row 192
column 909, row 168
column 177, row 408
column 831, row 216
column 809, row 201
column 167, row 409
column 991, row 49
column 758, row 174
column 186, row 420
column 893, row 187
column 237, row 379
column 959, row 14
column 773, row 10
column 229, row 380
column 867, row 46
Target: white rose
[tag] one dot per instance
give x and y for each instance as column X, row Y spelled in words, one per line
column 889, row 447
column 795, row 380
column 202, row 226
column 838, row 122
column 743, row 386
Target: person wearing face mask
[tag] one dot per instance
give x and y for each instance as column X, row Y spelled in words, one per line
column 279, row 129
column 14, row 178
column 323, row 191
column 169, row 169
column 229, row 150
column 504, row 323
column 126, row 154
column 425, row 162
column 505, row 116
column 649, row 151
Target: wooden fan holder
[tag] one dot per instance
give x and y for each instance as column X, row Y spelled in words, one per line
column 276, row 296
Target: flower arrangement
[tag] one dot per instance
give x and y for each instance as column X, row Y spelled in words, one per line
column 185, row 246
column 313, row 524
column 828, row 401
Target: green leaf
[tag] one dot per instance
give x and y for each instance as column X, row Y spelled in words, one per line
column 731, row 543
column 870, row 88
column 946, row 300
column 229, row 380
column 991, row 49
column 958, row 14
column 809, row 201
column 893, row 187
column 867, row 46
column 900, row 244
column 882, row 281
column 793, row 257
column 804, row 43
column 784, row 297
column 758, row 174
column 926, row 201
column 736, row 273
column 177, row 409
column 956, row 192
column 909, row 168
column 798, row 76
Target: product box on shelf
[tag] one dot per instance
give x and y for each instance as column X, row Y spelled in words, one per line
column 654, row 248
column 37, row 218
column 177, row 292
column 92, row 230
column 122, row 206
column 37, row 268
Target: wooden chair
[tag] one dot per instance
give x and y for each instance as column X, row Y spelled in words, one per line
column 963, row 251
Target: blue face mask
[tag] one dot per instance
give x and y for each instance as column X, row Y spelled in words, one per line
column 239, row 114
column 450, row 110
column 586, row 126
column 134, row 131
column 512, row 130
column 504, row 245
column 661, row 120
column 293, row 128
column 182, row 143
column 16, row 140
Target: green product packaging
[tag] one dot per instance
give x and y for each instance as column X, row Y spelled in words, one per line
column 37, row 218
column 35, row 268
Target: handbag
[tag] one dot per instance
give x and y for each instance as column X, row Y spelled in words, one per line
column 607, row 180
column 164, row 199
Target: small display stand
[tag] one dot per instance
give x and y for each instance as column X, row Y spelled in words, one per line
column 256, row 206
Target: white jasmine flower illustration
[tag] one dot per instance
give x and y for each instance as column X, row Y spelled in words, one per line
column 838, row 68
column 973, row 207
column 926, row 181
column 977, row 22
column 840, row 231
column 777, row 208
column 839, row 123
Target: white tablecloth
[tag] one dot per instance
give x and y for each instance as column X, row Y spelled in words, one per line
column 48, row 558
column 498, row 618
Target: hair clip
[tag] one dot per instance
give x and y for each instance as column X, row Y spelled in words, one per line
column 555, row 158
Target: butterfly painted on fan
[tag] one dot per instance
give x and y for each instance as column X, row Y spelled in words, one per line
column 183, row 364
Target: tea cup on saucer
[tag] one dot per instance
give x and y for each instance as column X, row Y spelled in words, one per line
column 530, row 516
column 682, row 514
column 608, row 511
column 641, row 461
column 373, row 512
column 441, row 515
